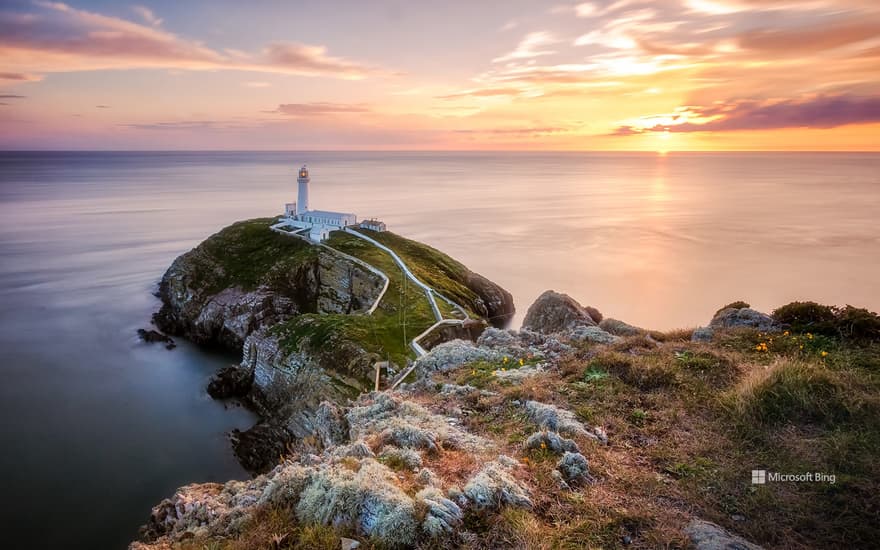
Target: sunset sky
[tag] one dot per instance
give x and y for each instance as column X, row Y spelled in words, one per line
column 599, row 75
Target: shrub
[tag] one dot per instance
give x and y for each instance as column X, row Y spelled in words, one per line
column 858, row 324
column 808, row 316
column 739, row 304
column 848, row 322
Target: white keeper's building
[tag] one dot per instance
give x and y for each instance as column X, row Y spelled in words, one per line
column 319, row 223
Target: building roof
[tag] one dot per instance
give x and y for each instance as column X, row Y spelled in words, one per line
column 326, row 214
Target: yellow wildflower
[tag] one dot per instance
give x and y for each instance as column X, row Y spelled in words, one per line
column 521, row 362
column 810, row 335
column 824, row 354
column 543, row 445
column 786, row 333
column 505, row 359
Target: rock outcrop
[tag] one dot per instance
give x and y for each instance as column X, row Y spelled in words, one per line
column 736, row 317
column 297, row 312
column 705, row 535
column 554, row 312
column 245, row 278
column 353, row 489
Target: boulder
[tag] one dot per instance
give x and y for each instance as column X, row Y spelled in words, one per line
column 153, row 336
column 552, row 442
column 550, row 417
column 554, row 313
column 232, row 381
column 574, row 468
column 592, row 334
column 705, row 535
column 703, row 335
column 494, row 486
column 259, row 448
column 744, row 317
column 442, row 516
column 451, row 355
column 619, row 328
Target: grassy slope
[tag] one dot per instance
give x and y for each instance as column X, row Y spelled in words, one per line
column 688, row 422
column 383, row 332
column 251, row 255
column 431, row 266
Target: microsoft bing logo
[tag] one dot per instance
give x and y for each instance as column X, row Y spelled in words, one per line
column 759, row 477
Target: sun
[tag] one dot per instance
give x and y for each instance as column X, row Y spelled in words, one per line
column 663, row 145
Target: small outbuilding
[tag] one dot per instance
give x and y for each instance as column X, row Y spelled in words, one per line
column 373, row 225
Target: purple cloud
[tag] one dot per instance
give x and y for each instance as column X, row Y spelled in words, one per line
column 318, row 109
column 816, row 112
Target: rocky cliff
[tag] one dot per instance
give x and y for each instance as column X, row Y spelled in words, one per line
column 297, row 311
column 569, row 434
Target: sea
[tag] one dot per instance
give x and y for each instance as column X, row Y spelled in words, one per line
column 96, row 427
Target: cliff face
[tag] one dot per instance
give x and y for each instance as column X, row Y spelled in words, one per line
column 246, row 277
column 635, row 437
column 297, row 313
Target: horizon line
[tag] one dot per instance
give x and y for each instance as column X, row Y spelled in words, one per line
column 571, row 151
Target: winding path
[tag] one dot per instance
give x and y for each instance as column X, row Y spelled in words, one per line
column 430, row 293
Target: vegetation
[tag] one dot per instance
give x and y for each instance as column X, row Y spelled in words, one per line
column 739, row 304
column 428, row 264
column 250, row 255
column 846, row 322
column 687, row 424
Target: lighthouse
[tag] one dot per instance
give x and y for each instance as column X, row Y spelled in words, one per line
column 315, row 225
column 302, row 198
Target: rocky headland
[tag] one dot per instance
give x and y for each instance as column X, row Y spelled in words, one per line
column 297, row 312
column 577, row 431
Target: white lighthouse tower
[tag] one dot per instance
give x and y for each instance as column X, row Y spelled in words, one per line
column 302, row 199
column 315, row 225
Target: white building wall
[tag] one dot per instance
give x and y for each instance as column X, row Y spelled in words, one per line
column 302, row 199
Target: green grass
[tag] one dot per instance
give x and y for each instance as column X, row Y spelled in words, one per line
column 250, row 254
column 429, row 265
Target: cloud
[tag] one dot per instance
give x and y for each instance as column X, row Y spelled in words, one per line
column 185, row 125
column 21, row 77
column 102, row 106
column 526, row 131
column 256, row 84
column 312, row 60
column 798, row 41
column 530, row 47
column 11, row 96
column 815, row 112
column 147, row 15
column 59, row 38
column 483, row 92
column 319, row 109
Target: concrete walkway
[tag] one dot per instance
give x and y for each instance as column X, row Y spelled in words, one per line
column 429, row 292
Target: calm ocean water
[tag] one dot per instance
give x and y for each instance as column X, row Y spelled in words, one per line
column 96, row 427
